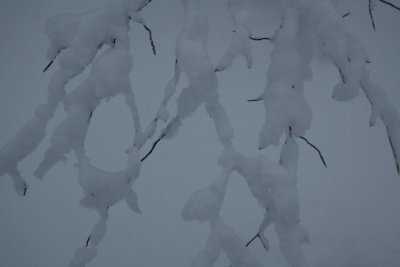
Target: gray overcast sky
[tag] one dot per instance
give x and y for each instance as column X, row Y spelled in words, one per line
column 351, row 209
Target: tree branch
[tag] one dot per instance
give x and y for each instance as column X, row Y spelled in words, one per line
column 88, row 240
column 315, row 148
column 393, row 150
column 259, row 38
column 390, row 4
column 153, row 47
column 48, row 66
column 370, row 14
column 255, row 99
column 148, row 2
column 346, row 14
column 152, row 148
column 252, row 240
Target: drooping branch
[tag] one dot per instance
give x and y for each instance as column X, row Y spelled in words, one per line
column 153, row 47
column 390, row 4
column 139, row 19
column 315, row 148
column 396, row 160
column 370, row 8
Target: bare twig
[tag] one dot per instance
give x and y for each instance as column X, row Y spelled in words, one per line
column 252, row 240
column 88, row 240
column 393, row 150
column 255, row 99
column 26, row 188
column 259, row 38
column 315, row 148
column 152, row 148
column 48, row 66
column 153, row 47
column 370, row 14
column 390, row 4
column 148, row 2
column 346, row 14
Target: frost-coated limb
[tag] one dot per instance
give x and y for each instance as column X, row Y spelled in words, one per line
column 86, row 253
column 240, row 43
column 75, row 41
column 349, row 56
column 194, row 62
column 285, row 104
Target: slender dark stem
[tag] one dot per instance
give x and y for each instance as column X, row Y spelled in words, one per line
column 390, row 4
column 25, row 189
column 153, row 47
column 48, row 66
column 152, row 148
column 316, row 148
column 346, row 14
column 148, row 2
column 370, row 14
column 88, row 240
column 393, row 150
column 252, row 240
column 255, row 99
column 259, row 38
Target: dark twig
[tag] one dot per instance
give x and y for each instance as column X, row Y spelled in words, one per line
column 88, row 240
column 346, row 14
column 152, row 148
column 48, row 66
column 252, row 240
column 148, row 2
column 370, row 14
column 255, row 99
column 153, row 47
column 393, row 150
column 26, row 187
column 390, row 4
column 259, row 38
column 313, row 146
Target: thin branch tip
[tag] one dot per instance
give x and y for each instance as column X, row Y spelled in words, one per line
column 152, row 147
column 153, row 46
column 254, row 99
column 316, row 149
column 48, row 65
column 88, row 240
